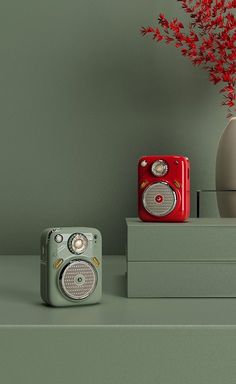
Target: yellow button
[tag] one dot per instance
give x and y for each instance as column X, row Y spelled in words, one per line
column 57, row 263
column 144, row 184
column 177, row 184
column 96, row 261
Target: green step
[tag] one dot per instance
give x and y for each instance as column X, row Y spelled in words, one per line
column 192, row 259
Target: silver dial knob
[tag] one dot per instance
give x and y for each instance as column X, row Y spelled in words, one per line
column 77, row 243
column 159, row 168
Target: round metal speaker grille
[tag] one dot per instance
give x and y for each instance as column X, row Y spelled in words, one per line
column 159, row 199
column 78, row 280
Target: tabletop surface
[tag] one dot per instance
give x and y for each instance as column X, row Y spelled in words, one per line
column 21, row 304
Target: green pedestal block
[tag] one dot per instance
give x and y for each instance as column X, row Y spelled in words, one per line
column 167, row 341
column 192, row 259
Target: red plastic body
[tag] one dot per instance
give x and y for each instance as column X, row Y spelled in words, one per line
column 177, row 177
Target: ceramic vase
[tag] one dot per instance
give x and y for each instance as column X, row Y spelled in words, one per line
column 226, row 171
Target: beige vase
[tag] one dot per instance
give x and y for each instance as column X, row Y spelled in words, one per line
column 226, row 171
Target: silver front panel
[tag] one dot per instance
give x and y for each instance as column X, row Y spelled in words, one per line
column 78, row 280
column 167, row 199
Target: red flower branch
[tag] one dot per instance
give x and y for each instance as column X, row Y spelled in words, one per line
column 209, row 41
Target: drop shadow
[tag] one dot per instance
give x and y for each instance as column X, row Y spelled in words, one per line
column 45, row 305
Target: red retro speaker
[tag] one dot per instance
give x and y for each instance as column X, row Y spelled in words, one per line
column 164, row 188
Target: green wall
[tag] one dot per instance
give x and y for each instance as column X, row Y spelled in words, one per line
column 82, row 96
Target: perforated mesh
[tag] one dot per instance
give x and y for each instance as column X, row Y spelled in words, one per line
column 79, row 279
column 168, row 199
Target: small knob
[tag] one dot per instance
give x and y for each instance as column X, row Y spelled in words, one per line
column 143, row 163
column 58, row 238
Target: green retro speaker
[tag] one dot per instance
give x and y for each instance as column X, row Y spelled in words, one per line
column 71, row 266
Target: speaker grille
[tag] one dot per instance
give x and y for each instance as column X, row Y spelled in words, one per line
column 166, row 196
column 78, row 279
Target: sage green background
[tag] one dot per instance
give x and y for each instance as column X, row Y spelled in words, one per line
column 82, row 96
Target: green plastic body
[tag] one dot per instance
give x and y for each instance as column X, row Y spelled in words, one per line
column 192, row 259
column 51, row 251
